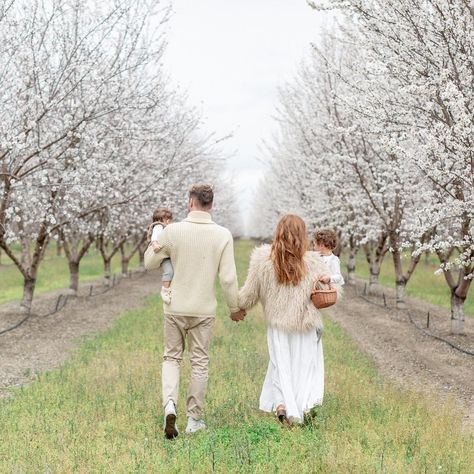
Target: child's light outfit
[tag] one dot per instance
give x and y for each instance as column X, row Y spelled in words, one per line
column 334, row 265
column 166, row 266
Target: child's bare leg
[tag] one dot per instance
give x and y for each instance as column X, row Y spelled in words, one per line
column 166, row 284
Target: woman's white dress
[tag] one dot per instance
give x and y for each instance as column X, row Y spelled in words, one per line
column 295, row 374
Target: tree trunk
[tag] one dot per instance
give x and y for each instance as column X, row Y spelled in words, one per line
column 457, row 314
column 102, row 246
column 459, row 287
column 401, row 293
column 125, row 262
column 74, row 276
column 30, row 270
column 351, row 266
column 374, row 278
column 141, row 257
column 74, row 249
column 125, row 259
column 400, row 281
column 29, row 284
column 375, row 253
column 107, row 271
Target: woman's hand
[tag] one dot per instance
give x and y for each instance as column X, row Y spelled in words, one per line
column 325, row 279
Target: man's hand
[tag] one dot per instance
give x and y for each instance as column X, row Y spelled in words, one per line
column 156, row 246
column 325, row 279
column 239, row 315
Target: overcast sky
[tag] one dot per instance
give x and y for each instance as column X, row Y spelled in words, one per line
column 231, row 55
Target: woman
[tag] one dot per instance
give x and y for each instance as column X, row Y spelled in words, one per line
column 281, row 277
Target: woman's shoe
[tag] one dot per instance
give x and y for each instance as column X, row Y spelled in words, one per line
column 281, row 414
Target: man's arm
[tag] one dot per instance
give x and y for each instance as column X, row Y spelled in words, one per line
column 228, row 276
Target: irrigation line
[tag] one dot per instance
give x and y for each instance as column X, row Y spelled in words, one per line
column 439, row 338
column 62, row 301
column 115, row 282
column 17, row 325
column 374, row 303
column 423, row 330
column 60, row 304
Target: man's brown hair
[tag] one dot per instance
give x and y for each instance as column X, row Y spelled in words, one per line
column 326, row 237
column 204, row 195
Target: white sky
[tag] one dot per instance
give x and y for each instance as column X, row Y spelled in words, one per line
column 231, row 55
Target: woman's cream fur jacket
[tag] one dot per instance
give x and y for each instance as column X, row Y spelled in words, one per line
column 286, row 307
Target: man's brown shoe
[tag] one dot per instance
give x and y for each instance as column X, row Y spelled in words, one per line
column 171, row 431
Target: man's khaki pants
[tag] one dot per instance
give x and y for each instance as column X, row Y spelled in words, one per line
column 199, row 333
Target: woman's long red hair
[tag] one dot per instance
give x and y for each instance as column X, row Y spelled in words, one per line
column 288, row 249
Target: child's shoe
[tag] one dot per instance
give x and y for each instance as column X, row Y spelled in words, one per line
column 166, row 295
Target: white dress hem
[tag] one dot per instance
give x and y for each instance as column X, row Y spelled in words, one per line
column 295, row 374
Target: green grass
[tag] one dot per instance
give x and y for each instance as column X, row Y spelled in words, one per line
column 53, row 273
column 100, row 413
column 423, row 284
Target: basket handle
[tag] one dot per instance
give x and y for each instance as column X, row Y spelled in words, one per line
column 317, row 285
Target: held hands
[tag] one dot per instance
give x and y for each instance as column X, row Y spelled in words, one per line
column 325, row 279
column 239, row 315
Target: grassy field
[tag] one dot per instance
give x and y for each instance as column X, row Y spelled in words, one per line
column 53, row 273
column 100, row 412
column 424, row 284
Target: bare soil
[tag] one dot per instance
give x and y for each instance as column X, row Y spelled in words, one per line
column 44, row 342
column 407, row 355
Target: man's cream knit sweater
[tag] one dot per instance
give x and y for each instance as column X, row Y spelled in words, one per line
column 199, row 250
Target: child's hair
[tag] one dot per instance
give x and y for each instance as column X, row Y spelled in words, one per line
column 326, row 237
column 159, row 216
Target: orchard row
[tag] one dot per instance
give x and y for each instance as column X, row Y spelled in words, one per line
column 376, row 139
column 93, row 137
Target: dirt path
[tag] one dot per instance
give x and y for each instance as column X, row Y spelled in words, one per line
column 405, row 354
column 43, row 343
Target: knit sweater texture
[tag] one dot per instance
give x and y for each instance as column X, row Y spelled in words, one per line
column 200, row 250
column 286, row 307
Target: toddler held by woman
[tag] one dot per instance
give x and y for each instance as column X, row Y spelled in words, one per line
column 325, row 241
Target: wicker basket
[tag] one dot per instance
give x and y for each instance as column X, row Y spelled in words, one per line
column 323, row 298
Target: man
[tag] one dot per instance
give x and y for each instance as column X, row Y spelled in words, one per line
column 199, row 250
